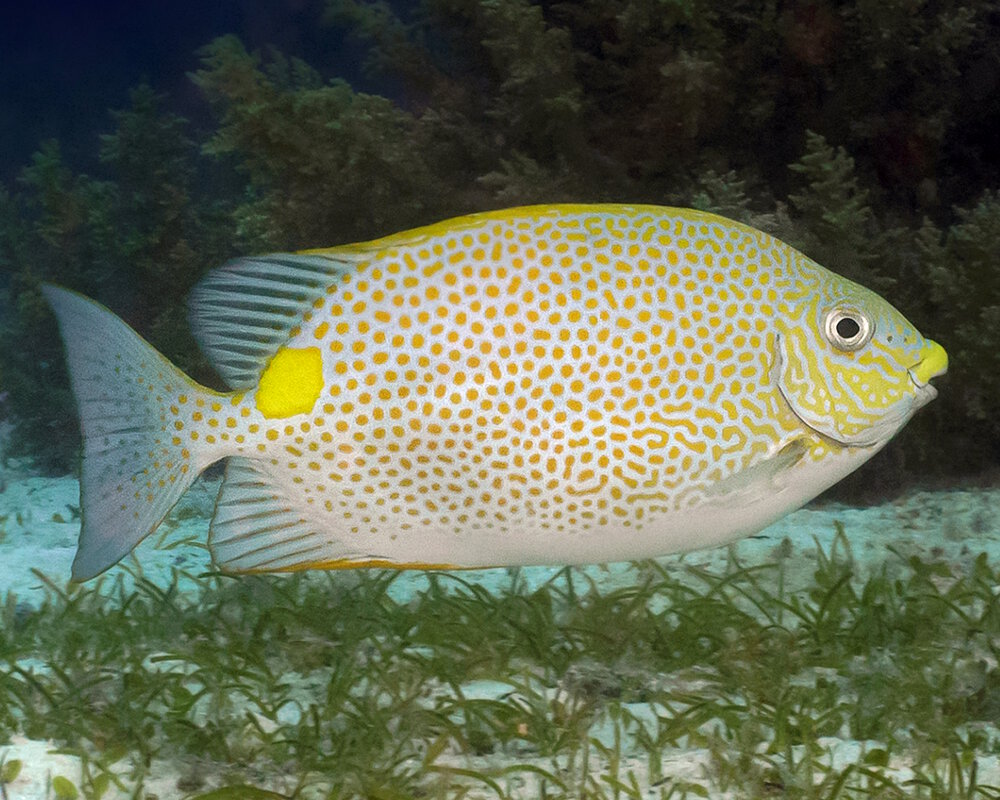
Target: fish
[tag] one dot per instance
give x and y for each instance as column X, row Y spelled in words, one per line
column 555, row 384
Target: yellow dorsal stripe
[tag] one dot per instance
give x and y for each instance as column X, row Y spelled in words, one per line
column 528, row 214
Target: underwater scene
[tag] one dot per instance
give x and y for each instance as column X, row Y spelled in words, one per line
column 500, row 399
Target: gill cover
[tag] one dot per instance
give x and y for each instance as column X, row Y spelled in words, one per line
column 844, row 368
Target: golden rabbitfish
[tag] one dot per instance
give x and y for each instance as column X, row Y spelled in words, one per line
column 551, row 384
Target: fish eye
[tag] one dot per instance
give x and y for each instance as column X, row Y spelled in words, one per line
column 848, row 329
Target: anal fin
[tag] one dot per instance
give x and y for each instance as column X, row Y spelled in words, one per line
column 257, row 529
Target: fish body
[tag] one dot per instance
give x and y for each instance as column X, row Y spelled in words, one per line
column 550, row 384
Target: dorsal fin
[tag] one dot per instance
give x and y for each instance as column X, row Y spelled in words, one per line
column 243, row 311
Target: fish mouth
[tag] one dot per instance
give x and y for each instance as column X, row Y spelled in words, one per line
column 933, row 362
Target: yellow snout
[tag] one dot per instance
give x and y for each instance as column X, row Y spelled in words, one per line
column 933, row 362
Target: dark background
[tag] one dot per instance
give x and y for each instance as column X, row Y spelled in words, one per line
column 142, row 144
column 64, row 64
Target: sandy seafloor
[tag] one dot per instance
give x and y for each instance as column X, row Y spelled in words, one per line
column 39, row 529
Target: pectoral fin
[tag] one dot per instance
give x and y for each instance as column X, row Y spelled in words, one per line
column 760, row 480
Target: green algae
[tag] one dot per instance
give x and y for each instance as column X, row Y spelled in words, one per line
column 323, row 686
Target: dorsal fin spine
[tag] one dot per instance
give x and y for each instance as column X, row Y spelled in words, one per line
column 242, row 312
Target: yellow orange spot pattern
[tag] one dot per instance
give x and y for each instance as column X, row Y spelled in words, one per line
column 561, row 373
column 548, row 384
column 187, row 423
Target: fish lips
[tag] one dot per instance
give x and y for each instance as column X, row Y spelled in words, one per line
column 933, row 362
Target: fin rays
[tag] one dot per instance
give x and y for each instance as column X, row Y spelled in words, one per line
column 243, row 311
column 254, row 528
column 130, row 476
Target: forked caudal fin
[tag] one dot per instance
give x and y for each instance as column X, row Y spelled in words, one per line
column 135, row 467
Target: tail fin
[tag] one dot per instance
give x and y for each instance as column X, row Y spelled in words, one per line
column 135, row 465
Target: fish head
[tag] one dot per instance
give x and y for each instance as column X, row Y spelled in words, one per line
column 851, row 366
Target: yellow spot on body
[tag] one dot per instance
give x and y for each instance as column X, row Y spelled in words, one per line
column 291, row 382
